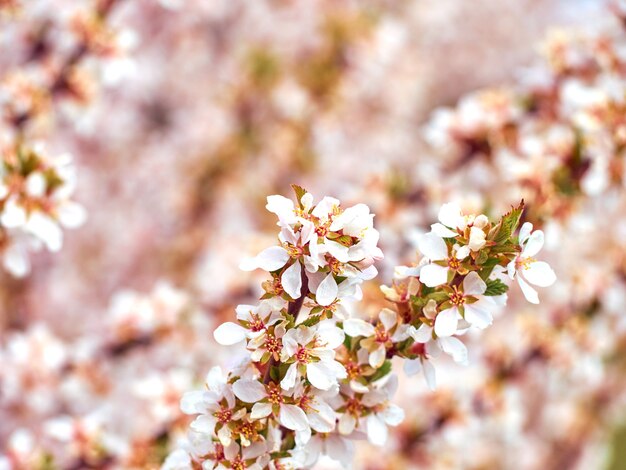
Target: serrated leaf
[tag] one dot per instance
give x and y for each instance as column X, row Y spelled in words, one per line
column 507, row 225
column 300, row 191
column 495, row 287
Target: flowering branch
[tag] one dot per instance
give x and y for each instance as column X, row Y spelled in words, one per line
column 315, row 378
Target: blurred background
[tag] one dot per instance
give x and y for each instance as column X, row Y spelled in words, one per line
column 182, row 116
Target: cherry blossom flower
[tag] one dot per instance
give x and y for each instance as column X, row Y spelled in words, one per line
column 463, row 303
column 433, row 247
column 310, row 350
column 527, row 268
column 379, row 337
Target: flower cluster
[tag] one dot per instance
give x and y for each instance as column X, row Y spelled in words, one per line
column 316, row 377
column 556, row 135
column 35, row 192
column 34, row 187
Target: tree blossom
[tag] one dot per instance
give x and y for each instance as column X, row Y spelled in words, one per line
column 527, row 268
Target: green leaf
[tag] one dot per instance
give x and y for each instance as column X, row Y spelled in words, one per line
column 438, row 296
column 312, row 320
column 507, row 225
column 506, row 248
column 300, row 191
column 487, row 268
column 495, row 287
column 382, row 371
column 483, row 256
column 274, row 374
column 345, row 240
column 289, row 317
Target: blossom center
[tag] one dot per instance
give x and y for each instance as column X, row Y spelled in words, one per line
column 354, row 407
column 524, row 263
column 457, row 298
column 273, row 344
column 223, row 416
column 274, row 394
column 256, row 324
column 381, row 335
column 454, row 263
column 303, row 356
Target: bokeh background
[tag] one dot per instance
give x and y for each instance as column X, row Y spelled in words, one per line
column 188, row 114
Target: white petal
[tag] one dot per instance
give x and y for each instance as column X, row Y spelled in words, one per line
column 393, row 415
column 337, row 251
column 260, row 410
column 71, row 214
column 320, row 375
column 36, row 184
column 434, row 275
column 539, row 273
column 430, row 375
column 191, row 402
column 450, row 215
column 356, row 327
column 455, row 348
column 510, row 269
column 533, row 244
column 530, row 293
column 329, row 335
column 412, row 366
column 477, row 239
column 325, row 207
column 446, row 322
column 346, row 425
column 473, row 284
column 270, row 259
column 478, row 315
column 326, row 292
column 377, row 357
column 323, row 418
column 341, row 450
column 292, row 280
column 282, row 207
column 423, row 334
column 204, row 424
column 376, row 430
column 292, row 417
column 46, row 229
column 290, row 377
column 13, row 215
column 249, row 391
column 442, row 231
column 15, row 260
column 433, row 247
column 388, row 318
column 215, row 379
column 462, row 252
column 229, row 333
column 524, row 232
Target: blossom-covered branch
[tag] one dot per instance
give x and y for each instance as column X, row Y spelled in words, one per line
column 315, row 377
